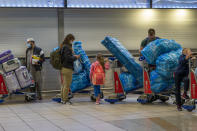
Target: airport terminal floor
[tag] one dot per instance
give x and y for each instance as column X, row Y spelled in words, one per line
column 84, row 115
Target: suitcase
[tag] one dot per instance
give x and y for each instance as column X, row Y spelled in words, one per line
column 11, row 65
column 23, row 77
column 5, row 56
column 11, row 82
column 3, row 88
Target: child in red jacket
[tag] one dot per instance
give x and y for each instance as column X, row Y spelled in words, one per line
column 97, row 76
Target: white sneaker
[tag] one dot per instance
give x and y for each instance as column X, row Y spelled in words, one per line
column 63, row 102
column 69, row 102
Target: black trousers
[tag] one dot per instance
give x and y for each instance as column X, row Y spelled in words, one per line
column 178, row 79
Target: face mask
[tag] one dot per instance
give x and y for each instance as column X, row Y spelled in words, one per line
column 28, row 45
column 71, row 42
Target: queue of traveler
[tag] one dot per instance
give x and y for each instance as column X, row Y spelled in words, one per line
column 181, row 73
column 97, row 71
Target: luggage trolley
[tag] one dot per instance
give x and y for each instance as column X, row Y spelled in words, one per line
column 4, row 92
column 119, row 93
column 190, row 104
column 149, row 96
column 28, row 95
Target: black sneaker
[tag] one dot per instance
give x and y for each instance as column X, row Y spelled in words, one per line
column 179, row 108
column 185, row 96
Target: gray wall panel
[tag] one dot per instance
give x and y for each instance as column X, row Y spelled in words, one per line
column 130, row 25
column 16, row 25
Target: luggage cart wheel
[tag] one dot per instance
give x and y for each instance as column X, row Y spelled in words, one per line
column 27, row 99
column 189, row 110
column 30, row 97
column 92, row 98
column 122, row 98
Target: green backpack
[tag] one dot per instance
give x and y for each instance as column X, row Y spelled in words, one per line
column 55, row 58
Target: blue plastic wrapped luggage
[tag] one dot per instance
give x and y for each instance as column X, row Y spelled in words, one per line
column 166, row 64
column 77, row 67
column 79, row 81
column 56, row 48
column 125, row 58
column 157, row 48
column 196, row 72
column 159, row 83
column 80, row 77
column 78, row 50
column 128, row 81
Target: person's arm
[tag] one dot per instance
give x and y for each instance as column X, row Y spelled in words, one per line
column 91, row 71
column 67, row 53
column 142, row 45
column 182, row 60
column 42, row 58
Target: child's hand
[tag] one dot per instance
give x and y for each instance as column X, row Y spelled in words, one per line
column 189, row 52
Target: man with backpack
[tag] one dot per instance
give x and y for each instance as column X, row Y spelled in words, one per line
column 34, row 61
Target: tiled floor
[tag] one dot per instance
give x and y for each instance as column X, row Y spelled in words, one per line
column 84, row 115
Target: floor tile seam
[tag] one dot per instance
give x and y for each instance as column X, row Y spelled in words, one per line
column 48, row 120
column 2, row 127
column 72, row 118
column 100, row 119
column 21, row 119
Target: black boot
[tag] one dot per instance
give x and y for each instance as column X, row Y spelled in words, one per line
column 179, row 108
column 185, row 95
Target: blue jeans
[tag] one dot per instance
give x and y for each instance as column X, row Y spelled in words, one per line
column 97, row 90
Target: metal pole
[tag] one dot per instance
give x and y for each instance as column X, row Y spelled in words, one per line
column 60, row 15
column 65, row 3
column 151, row 3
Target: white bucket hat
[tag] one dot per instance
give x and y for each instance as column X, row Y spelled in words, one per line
column 30, row 39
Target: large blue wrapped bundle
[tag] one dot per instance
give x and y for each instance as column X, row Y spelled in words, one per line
column 128, row 81
column 157, row 48
column 125, row 58
column 79, row 81
column 80, row 77
column 78, row 50
column 159, row 83
column 166, row 64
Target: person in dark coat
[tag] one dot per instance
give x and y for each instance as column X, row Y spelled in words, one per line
column 67, row 60
column 181, row 75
